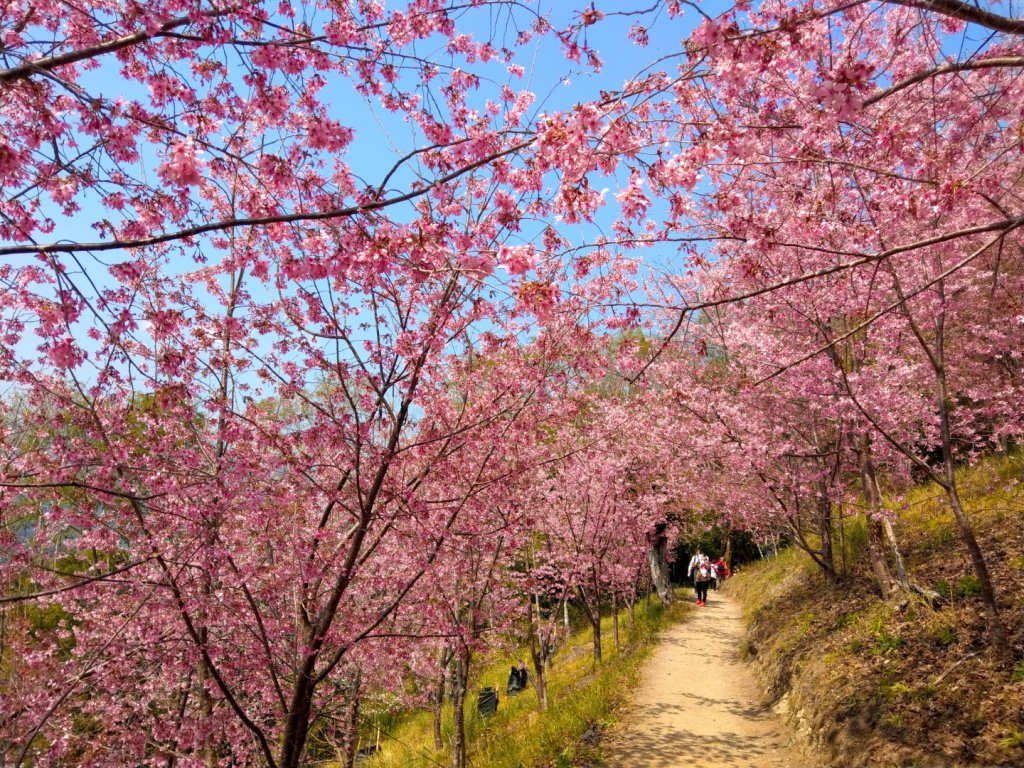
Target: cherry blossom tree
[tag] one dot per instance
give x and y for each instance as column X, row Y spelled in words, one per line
column 270, row 376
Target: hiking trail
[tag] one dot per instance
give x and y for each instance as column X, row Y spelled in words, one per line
column 698, row 703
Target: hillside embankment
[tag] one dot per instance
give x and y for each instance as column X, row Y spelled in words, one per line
column 881, row 684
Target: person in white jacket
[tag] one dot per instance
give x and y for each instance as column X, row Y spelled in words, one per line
column 701, row 571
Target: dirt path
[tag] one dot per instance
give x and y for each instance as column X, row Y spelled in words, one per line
column 698, row 704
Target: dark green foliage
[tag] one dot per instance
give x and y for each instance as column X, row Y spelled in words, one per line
column 968, row 586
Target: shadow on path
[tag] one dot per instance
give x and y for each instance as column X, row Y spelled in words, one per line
column 697, row 704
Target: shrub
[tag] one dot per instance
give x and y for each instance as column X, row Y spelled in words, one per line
column 968, row 586
column 945, row 636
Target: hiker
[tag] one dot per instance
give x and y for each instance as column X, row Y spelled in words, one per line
column 691, row 568
column 702, row 572
column 705, row 578
column 721, row 572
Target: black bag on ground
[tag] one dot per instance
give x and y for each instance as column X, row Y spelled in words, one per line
column 516, row 680
column 487, row 701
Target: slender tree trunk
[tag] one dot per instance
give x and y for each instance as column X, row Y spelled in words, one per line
column 824, row 514
column 210, row 749
column 437, row 697
column 876, row 553
column 995, row 622
column 890, row 537
column 615, row 619
column 350, row 737
column 841, row 528
column 594, row 614
column 872, row 518
column 297, row 722
column 460, row 679
column 539, row 651
column 728, row 547
column 206, row 707
column 897, row 556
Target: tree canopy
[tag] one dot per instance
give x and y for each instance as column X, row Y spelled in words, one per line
column 334, row 335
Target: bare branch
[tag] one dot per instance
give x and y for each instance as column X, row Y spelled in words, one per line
column 945, row 69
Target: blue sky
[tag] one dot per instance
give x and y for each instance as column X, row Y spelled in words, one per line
column 382, row 136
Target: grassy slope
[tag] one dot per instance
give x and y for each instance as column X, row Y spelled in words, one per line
column 895, row 683
column 583, row 700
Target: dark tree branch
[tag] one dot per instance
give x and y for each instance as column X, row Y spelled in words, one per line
column 966, row 12
column 945, row 69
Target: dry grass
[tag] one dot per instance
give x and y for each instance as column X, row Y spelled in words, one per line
column 583, row 701
column 887, row 684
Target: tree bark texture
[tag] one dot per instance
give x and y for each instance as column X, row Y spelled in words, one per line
column 657, row 556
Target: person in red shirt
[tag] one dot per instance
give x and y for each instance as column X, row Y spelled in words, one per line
column 721, row 571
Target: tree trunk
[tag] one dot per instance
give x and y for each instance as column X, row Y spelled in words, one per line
column 350, row 736
column 728, row 547
column 593, row 612
column 995, row 623
column 890, row 534
column 823, row 509
column 437, row 697
column 297, row 722
column 872, row 518
column 897, row 556
column 460, row 680
column 657, row 557
column 876, row 553
column 540, row 649
column 206, row 707
column 841, row 529
column 615, row 619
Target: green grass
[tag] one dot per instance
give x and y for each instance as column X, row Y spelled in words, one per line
column 988, row 491
column 520, row 735
column 766, row 580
